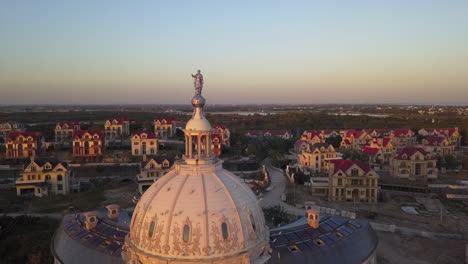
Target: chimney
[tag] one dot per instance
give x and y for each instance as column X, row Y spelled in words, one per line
column 313, row 218
column 113, row 211
column 91, row 220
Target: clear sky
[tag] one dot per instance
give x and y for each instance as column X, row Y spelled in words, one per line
column 368, row 51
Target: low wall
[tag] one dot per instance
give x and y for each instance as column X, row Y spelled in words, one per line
column 413, row 232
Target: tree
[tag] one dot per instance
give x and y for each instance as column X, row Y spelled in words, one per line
column 334, row 141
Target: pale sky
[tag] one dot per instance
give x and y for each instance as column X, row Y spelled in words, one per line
column 330, row 51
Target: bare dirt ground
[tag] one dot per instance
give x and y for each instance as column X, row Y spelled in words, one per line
column 395, row 248
column 122, row 196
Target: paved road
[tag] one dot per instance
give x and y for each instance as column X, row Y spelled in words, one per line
column 278, row 186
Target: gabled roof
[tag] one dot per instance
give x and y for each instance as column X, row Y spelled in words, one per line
column 344, row 165
column 159, row 160
column 434, row 140
column 80, row 133
column 53, row 163
column 410, row 152
column 318, row 146
column 69, row 124
column 15, row 135
column 299, row 142
column 150, row 135
column 370, row 151
column 402, row 132
column 119, row 120
column 168, row 120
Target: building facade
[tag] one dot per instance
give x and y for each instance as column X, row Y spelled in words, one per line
column 224, row 133
column 7, row 127
column 21, row 145
column 354, row 139
column 352, row 181
column 88, row 143
column 413, row 164
column 403, row 138
column 116, row 128
column 144, row 143
column 151, row 170
column 164, row 127
column 64, row 132
column 438, row 145
column 42, row 178
column 316, row 157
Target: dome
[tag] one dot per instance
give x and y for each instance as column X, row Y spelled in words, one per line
column 197, row 213
column 198, row 121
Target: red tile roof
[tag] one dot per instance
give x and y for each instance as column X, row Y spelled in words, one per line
column 80, row 133
column 370, row 151
column 70, row 124
column 119, row 120
column 15, row 135
column 168, row 120
column 346, row 164
column 434, row 140
column 410, row 152
column 402, row 132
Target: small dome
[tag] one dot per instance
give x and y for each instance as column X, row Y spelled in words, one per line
column 198, row 122
column 197, row 214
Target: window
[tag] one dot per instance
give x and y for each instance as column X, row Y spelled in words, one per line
column 59, row 187
column 340, row 181
column 354, row 172
column 151, row 229
column 417, row 169
column 186, row 235
column 224, row 229
column 252, row 221
column 47, row 177
column 136, row 151
column 59, row 177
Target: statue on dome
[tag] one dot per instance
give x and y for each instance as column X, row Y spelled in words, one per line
column 198, row 83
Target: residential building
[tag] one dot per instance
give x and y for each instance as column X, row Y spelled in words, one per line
column 452, row 134
column 151, row 170
column 403, row 138
column 7, row 127
column 64, row 132
column 224, row 134
column 164, row 127
column 20, row 145
column 88, row 143
column 279, row 133
column 438, row 145
column 313, row 136
column 316, row 157
column 354, row 139
column 42, row 178
column 413, row 164
column 144, row 143
column 116, row 128
column 347, row 180
column 379, row 150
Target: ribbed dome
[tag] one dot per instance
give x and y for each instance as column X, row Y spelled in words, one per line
column 197, row 213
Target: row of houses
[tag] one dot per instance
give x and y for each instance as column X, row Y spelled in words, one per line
column 91, row 143
column 42, row 178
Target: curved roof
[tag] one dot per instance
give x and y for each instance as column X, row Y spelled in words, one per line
column 74, row 243
column 220, row 213
column 337, row 240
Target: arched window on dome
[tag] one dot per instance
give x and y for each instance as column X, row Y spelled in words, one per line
column 224, row 229
column 151, row 229
column 252, row 221
column 186, row 235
